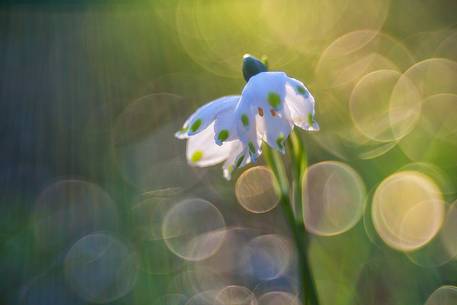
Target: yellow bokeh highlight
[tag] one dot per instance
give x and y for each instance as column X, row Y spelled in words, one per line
column 255, row 190
column 407, row 210
column 333, row 198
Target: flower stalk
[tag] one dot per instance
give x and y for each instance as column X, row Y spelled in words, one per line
column 231, row 129
column 293, row 211
column 299, row 165
column 298, row 157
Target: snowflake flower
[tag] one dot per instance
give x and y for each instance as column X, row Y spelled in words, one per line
column 232, row 128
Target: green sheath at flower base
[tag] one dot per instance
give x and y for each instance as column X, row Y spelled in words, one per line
column 196, row 125
column 245, row 120
column 239, row 161
column 274, row 100
column 196, row 156
column 230, row 169
column 223, row 135
column 252, row 66
column 280, row 141
column 310, row 119
column 251, row 148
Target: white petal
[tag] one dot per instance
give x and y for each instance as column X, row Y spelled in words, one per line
column 276, row 130
column 265, row 94
column 239, row 157
column 206, row 114
column 266, row 90
column 245, row 120
column 299, row 105
column 202, row 151
column 225, row 128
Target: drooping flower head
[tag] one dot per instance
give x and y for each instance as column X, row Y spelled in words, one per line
column 232, row 128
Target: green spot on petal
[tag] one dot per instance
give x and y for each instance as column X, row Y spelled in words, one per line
column 196, row 156
column 310, row 119
column 223, row 135
column 251, row 147
column 280, row 141
column 196, row 125
column 274, row 100
column 244, row 120
column 300, row 89
column 239, row 161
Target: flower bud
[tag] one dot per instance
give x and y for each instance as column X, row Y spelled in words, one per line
column 252, row 66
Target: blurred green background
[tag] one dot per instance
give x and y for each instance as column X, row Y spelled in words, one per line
column 98, row 204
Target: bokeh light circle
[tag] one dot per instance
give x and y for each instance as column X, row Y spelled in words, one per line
column 441, row 249
column 439, row 176
column 197, row 279
column 448, row 47
column 382, row 108
column 144, row 146
column 354, row 54
column 407, row 210
column 437, row 128
column 147, row 216
column 340, row 67
column 227, row 260
column 236, row 295
column 194, row 229
column 436, row 124
column 445, row 295
column 288, row 282
column 255, row 190
column 267, row 257
column 310, row 25
column 68, row 210
column 203, row 33
column 333, row 198
column 171, row 299
column 204, row 298
column 278, row 298
column 100, row 268
column 424, row 76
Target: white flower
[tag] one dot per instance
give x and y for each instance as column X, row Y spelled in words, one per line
column 232, row 128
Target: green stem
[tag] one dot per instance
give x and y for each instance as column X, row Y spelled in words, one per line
column 308, row 295
column 298, row 158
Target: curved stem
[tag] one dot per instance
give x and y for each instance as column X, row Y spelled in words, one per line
column 308, row 293
column 299, row 160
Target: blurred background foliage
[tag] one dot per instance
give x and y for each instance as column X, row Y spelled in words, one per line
column 98, row 204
